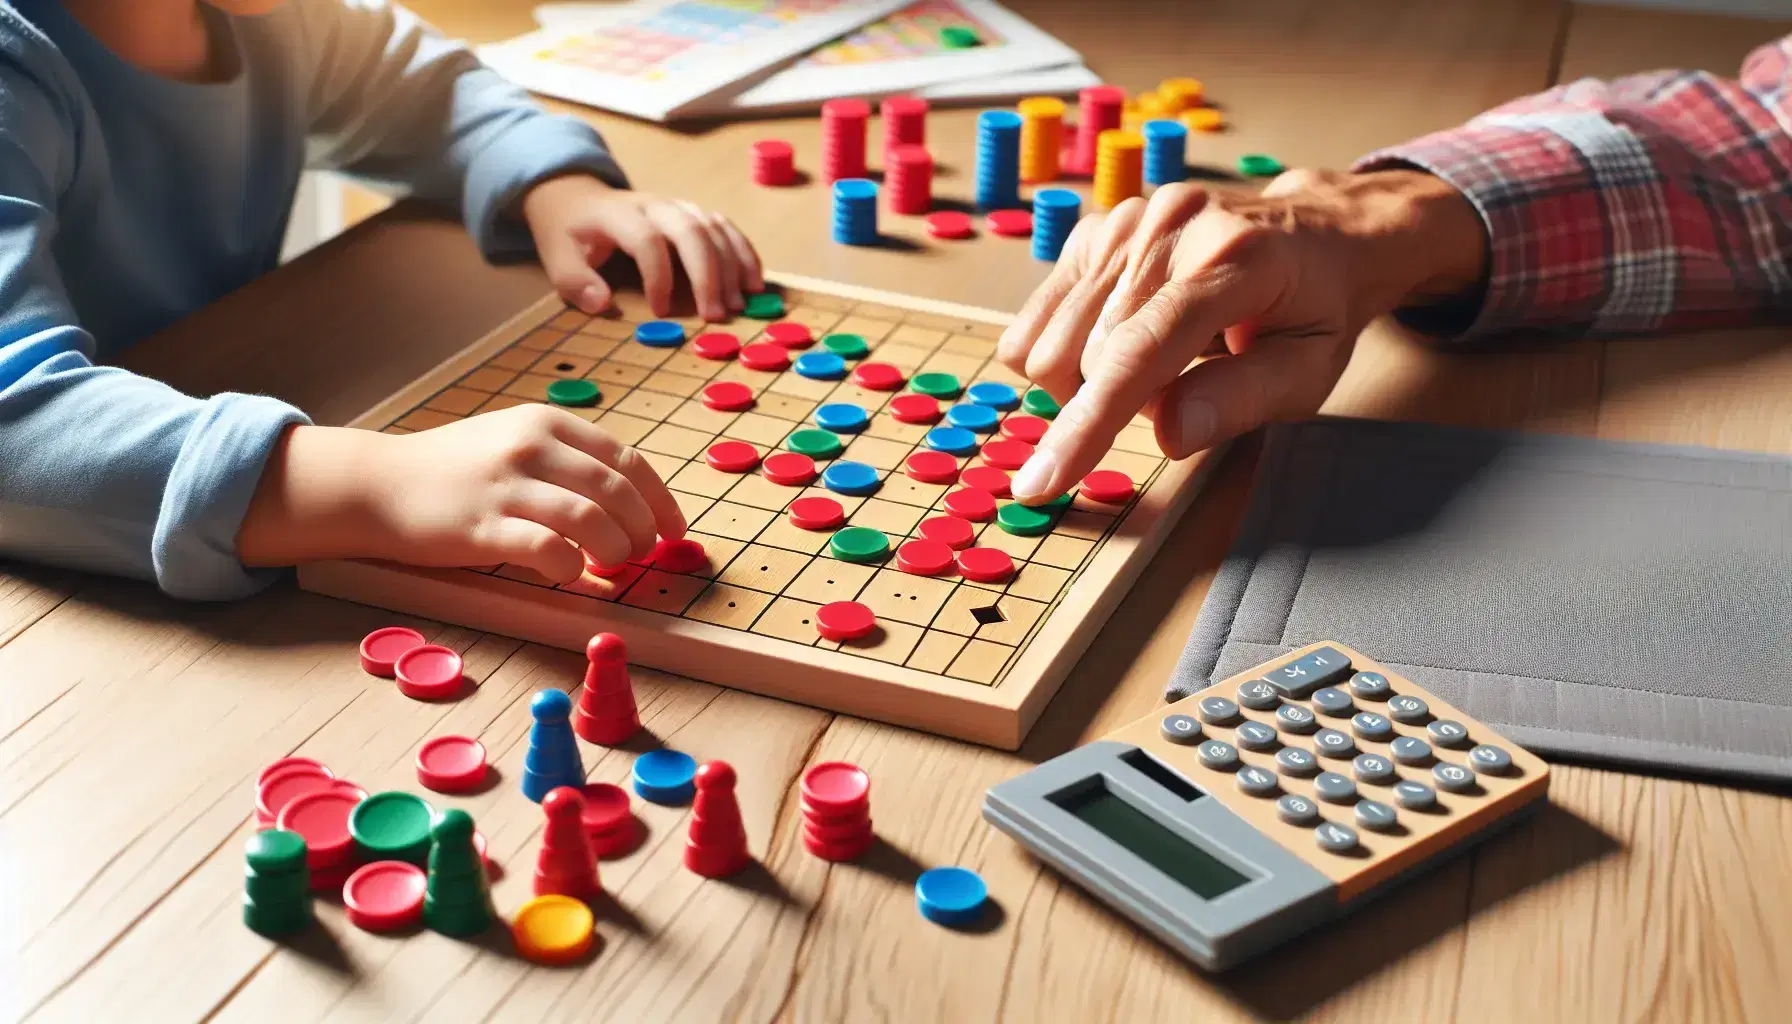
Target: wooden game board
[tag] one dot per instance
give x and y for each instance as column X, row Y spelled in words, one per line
column 954, row 657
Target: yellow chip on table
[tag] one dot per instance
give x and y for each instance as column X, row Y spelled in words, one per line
column 1203, row 119
column 553, row 929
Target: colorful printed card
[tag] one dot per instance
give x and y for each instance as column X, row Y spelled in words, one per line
column 659, row 60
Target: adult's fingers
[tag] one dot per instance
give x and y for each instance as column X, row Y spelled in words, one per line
column 630, row 229
column 525, row 542
column 582, row 474
column 702, row 263
column 1149, row 260
column 567, row 260
column 668, row 518
column 1282, row 377
column 1017, row 340
column 574, row 517
column 1055, row 361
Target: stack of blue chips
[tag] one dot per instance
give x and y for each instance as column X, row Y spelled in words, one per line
column 1166, row 151
column 950, row 896
column 855, row 211
column 1055, row 213
column 552, row 760
column 998, row 160
column 665, row 777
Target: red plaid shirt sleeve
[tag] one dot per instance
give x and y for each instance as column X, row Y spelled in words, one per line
column 1658, row 202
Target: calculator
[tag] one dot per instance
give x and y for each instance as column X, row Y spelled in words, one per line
column 1279, row 798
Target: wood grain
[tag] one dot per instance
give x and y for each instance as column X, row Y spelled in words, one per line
column 133, row 724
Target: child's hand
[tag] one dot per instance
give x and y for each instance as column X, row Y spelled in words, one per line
column 522, row 485
column 579, row 222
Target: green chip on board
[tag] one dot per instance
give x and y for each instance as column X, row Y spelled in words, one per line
column 1023, row 521
column 936, row 384
column 576, row 391
column 765, row 306
column 846, row 346
column 859, row 544
column 815, row 443
column 1039, row 404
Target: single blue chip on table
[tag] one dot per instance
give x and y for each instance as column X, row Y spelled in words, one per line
column 851, row 478
column 842, row 417
column 952, row 440
column 665, row 776
column 950, row 896
column 994, row 394
column 980, row 418
column 660, row 334
column 820, row 366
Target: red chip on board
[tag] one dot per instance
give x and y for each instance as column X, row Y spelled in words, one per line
column 1011, row 223
column 986, row 478
column 789, row 334
column 451, row 764
column 290, row 762
column 716, row 345
column 789, row 469
column 985, row 565
column 949, row 224
column 836, row 787
column 380, row 649
column 430, row 672
column 606, row 807
column 816, row 513
column 915, row 408
column 1007, row 454
column 951, row 531
column 322, row 818
column 971, row 503
column 384, row 896
column 767, row 356
column 844, row 620
column 1025, row 428
column 878, row 376
column 924, row 557
column 728, row 396
column 284, row 786
column 932, row 467
column 1108, row 486
column 682, row 556
column 732, row 456
column 603, row 571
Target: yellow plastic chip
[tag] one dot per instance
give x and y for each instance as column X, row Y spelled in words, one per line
column 553, row 929
column 1203, row 119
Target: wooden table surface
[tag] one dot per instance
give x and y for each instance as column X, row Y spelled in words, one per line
column 132, row 725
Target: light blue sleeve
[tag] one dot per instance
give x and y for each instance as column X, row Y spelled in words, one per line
column 101, row 469
column 392, row 98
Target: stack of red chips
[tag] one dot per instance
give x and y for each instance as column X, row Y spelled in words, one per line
column 908, row 174
column 717, row 844
column 836, row 809
column 905, row 122
column 843, row 139
column 774, row 163
column 1098, row 109
column 609, row 823
column 566, row 864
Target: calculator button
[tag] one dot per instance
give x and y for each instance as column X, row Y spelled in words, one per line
column 1333, row 743
column 1415, row 796
column 1295, row 718
column 1217, row 710
column 1335, row 837
column 1408, row 709
column 1377, row 816
column 1258, row 695
column 1256, row 736
column 1180, row 729
column 1219, row 755
column 1332, row 701
column 1446, row 733
column 1309, row 672
column 1256, row 781
column 1370, row 726
column 1295, row 761
column 1334, row 787
column 1453, row 778
column 1373, row 768
column 1370, row 685
column 1297, row 810
column 1410, row 750
column 1490, row 759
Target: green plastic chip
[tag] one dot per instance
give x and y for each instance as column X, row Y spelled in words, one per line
column 765, row 306
column 276, row 850
column 936, row 384
column 846, row 346
column 1040, row 404
column 1259, row 165
column 392, row 826
column 1023, row 521
column 815, row 443
column 859, row 544
column 959, row 37
column 577, row 391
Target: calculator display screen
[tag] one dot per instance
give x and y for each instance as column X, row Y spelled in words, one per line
column 1194, row 868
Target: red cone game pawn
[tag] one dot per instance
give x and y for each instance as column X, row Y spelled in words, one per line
column 908, row 171
column 566, row 864
column 843, row 139
column 606, row 712
column 717, row 844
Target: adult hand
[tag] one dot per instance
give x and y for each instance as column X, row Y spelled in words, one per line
column 1272, row 288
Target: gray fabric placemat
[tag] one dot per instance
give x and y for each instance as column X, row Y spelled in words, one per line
column 1616, row 602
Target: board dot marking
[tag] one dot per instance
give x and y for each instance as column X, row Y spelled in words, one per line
column 986, row 478
column 854, row 479
column 764, row 306
column 980, row 419
column 924, row 557
column 936, row 385
column 1040, row 404
column 718, row 345
column 816, row 513
column 951, row 531
column 915, row 409
column 952, row 440
column 765, row 357
column 732, row 456
column 820, row 366
column 789, row 469
column 1008, row 454
column 660, row 334
column 1010, row 223
column 429, row 672
column 384, row 896
column 878, row 377
column 679, row 556
column 728, row 396
column 842, row 417
column 932, row 467
column 1023, row 521
column 859, row 544
column 950, row 224
column 844, row 620
column 985, row 565
column 577, row 392
column 1024, row 428
column 381, row 648
column 1108, row 487
column 789, row 334
column 978, row 506
column 451, row 764
column 994, row 394
column 846, row 346
column 819, row 444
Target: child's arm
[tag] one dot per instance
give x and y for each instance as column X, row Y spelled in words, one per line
column 392, row 98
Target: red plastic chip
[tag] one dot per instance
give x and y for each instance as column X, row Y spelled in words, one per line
column 789, row 469
column 732, row 456
column 767, row 356
column 1007, row 454
column 380, row 649
column 949, row 224
column 790, row 334
column 1025, row 428
column 951, row 531
column 986, row 478
column 451, row 764
column 1011, row 223
column 878, row 376
column 971, row 503
column 816, row 513
column 985, row 565
column 844, row 620
column 1108, row 486
column 430, row 672
column 728, row 396
column 384, row 896
column 716, row 345
column 915, row 408
column 924, row 557
column 932, row 467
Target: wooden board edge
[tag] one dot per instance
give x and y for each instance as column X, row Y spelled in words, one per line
column 860, row 293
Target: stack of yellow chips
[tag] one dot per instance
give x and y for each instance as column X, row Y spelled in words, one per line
column 1180, row 94
column 1119, row 167
column 553, row 929
column 1041, row 138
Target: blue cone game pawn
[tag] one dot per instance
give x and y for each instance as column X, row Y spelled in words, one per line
column 1166, row 151
column 553, row 757
column 1055, row 213
column 998, row 160
column 855, row 211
